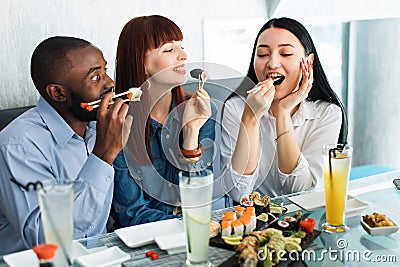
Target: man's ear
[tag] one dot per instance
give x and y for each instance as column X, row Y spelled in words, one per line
column 56, row 92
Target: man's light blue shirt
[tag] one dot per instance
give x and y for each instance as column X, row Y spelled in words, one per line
column 40, row 146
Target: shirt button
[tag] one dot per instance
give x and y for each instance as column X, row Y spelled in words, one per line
column 167, row 136
column 139, row 171
column 208, row 164
column 108, row 179
column 91, row 227
column 119, row 208
column 169, row 184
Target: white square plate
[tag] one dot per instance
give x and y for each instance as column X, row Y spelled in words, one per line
column 109, row 257
column 316, row 200
column 377, row 231
column 173, row 244
column 144, row 234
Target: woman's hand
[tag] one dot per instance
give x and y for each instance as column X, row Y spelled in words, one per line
column 197, row 112
column 300, row 93
column 259, row 99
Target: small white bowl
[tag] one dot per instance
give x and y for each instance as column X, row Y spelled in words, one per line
column 377, row 231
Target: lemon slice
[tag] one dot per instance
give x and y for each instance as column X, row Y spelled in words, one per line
column 232, row 243
column 232, row 238
column 197, row 219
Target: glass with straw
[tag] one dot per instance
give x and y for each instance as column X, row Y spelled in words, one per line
column 56, row 207
column 337, row 164
column 196, row 188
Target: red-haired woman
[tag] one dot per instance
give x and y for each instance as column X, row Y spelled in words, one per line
column 171, row 131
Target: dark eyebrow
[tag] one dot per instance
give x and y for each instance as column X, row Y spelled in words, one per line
column 281, row 45
column 92, row 70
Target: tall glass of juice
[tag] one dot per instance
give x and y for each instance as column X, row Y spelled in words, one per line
column 196, row 188
column 56, row 207
column 337, row 165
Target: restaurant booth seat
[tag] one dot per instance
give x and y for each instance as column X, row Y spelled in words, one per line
column 8, row 115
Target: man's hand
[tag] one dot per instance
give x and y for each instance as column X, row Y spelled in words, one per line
column 113, row 128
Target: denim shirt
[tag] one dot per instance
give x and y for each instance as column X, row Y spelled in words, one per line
column 148, row 193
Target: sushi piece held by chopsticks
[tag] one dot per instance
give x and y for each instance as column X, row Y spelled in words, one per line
column 133, row 95
column 201, row 75
column 258, row 88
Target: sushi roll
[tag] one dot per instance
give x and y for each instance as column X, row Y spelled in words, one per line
column 238, row 228
column 251, row 213
column 283, row 225
column 226, row 228
column 229, row 216
column 293, row 223
column 239, row 211
column 249, row 226
column 215, row 228
column 255, row 196
column 244, row 200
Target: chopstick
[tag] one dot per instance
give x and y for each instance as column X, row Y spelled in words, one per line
column 90, row 108
column 258, row 88
column 134, row 92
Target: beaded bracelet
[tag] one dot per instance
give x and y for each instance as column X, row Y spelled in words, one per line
column 193, row 153
column 282, row 134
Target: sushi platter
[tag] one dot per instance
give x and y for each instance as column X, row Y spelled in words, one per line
column 258, row 229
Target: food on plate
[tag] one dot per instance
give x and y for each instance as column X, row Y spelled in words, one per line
column 238, row 228
column 238, row 224
column 245, row 200
column 268, row 244
column 232, row 240
column 261, row 204
column 263, row 217
column 308, row 225
column 226, row 228
column 377, row 220
column 239, row 211
column 293, row 221
column 229, row 216
column 215, row 228
column 247, row 250
column 284, row 225
column 255, row 196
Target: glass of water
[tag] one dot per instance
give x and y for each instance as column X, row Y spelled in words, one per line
column 56, row 207
column 196, row 188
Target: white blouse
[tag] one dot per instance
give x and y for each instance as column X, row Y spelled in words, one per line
column 315, row 124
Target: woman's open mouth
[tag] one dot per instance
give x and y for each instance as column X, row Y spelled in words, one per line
column 278, row 78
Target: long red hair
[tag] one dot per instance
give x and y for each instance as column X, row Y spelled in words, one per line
column 138, row 36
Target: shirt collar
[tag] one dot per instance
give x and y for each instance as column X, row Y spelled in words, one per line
column 173, row 115
column 306, row 111
column 58, row 127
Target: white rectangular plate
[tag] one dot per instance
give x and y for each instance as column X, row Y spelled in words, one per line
column 173, row 244
column 316, row 200
column 24, row 258
column 144, row 234
column 113, row 256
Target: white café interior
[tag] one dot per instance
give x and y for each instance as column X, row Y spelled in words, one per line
column 357, row 42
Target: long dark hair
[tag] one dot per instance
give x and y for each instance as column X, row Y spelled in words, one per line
column 320, row 90
column 138, row 36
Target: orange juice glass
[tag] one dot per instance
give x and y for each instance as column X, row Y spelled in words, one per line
column 337, row 165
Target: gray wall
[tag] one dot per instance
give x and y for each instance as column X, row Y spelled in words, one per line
column 25, row 23
column 374, row 92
